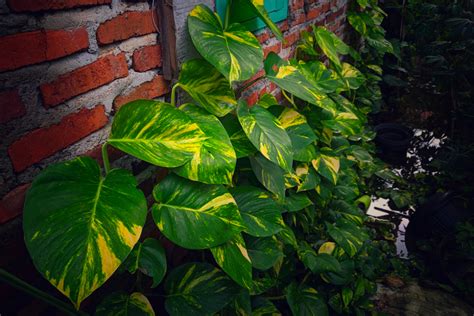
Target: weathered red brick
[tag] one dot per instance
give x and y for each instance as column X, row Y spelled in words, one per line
column 263, row 36
column 276, row 48
column 313, row 13
column 147, row 58
column 44, row 142
column 298, row 18
column 296, row 4
column 29, row 48
column 11, row 106
column 291, row 38
column 11, row 204
column 40, row 5
column 126, row 25
column 89, row 77
column 147, row 90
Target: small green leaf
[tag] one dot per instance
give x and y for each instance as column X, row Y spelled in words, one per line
column 233, row 258
column 260, row 213
column 267, row 100
column 271, row 176
column 198, row 289
column 305, row 301
column 242, row 145
column 296, row 202
column 263, row 252
column 80, row 226
column 156, row 132
column 215, row 162
column 149, row 257
column 351, row 77
column 309, row 179
column 235, row 52
column 347, row 235
column 318, row 263
column 306, row 154
column 266, row 133
column 121, row 304
column 195, row 215
column 347, row 295
column 207, row 86
column 330, row 44
column 301, row 134
column 327, row 166
column 263, row 307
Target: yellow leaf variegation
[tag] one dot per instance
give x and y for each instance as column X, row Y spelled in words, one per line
column 80, row 226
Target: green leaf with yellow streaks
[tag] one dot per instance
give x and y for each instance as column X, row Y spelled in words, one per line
column 348, row 235
column 156, row 132
column 150, row 259
column 79, row 226
column 207, row 86
column 309, row 179
column 198, row 289
column 327, row 165
column 215, row 162
column 194, row 215
column 305, row 301
column 295, row 124
column 242, row 145
column 263, row 252
column 121, row 304
column 266, row 134
column 233, row 258
column 235, row 52
column 260, row 213
column 330, row 44
column 271, row 176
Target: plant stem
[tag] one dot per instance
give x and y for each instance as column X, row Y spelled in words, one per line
column 105, row 158
column 227, row 14
column 289, row 99
column 35, row 292
column 173, row 94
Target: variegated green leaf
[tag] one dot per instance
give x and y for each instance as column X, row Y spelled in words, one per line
column 317, row 262
column 347, row 235
column 330, row 44
column 195, row 215
column 305, row 154
column 267, row 100
column 296, row 202
column 305, row 301
column 301, row 134
column 266, row 134
column 80, row 226
column 198, row 289
column 242, row 145
column 215, row 162
column 309, row 179
column 156, row 132
column 235, row 52
column 233, row 258
column 271, row 176
column 121, row 304
column 207, row 86
column 149, row 257
column 263, row 252
column 289, row 76
column 287, row 236
column 323, row 79
column 260, row 213
column 346, row 123
column 327, row 166
column 263, row 307
column 351, row 77
column 259, row 9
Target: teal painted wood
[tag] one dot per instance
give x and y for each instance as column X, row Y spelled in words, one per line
column 277, row 9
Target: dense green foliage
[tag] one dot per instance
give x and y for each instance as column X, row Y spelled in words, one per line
column 272, row 192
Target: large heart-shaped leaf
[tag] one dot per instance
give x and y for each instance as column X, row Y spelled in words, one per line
column 80, row 226
column 263, row 252
column 260, row 213
column 156, row 132
column 266, row 134
column 198, row 289
column 259, row 9
column 351, row 76
column 215, row 162
column 271, row 176
column 207, row 86
column 305, row 301
column 235, row 52
column 149, row 257
column 317, row 263
column 289, row 76
column 309, row 179
column 195, row 215
column 301, row 134
column 121, row 304
column 233, row 258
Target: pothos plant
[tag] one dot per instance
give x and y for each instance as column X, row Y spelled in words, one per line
column 271, row 191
